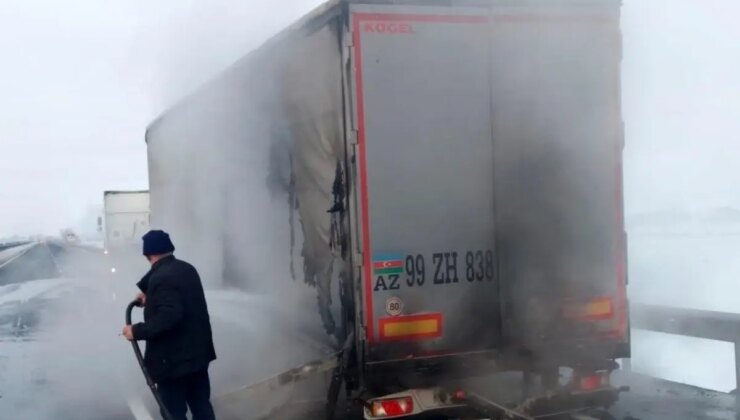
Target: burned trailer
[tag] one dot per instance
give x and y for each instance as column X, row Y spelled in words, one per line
column 247, row 172
column 442, row 180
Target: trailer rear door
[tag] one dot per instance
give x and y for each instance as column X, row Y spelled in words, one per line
column 425, row 158
column 558, row 139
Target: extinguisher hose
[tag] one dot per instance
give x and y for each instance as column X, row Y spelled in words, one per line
column 139, row 358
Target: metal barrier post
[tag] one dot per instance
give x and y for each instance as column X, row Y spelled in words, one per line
column 710, row 325
column 737, row 378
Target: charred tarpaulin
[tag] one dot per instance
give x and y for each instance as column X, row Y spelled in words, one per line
column 319, row 273
column 312, row 146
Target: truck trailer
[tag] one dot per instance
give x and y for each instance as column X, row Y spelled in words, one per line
column 443, row 178
column 125, row 218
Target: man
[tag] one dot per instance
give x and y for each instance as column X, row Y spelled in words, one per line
column 177, row 330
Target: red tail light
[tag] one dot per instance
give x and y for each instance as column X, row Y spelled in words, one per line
column 459, row 396
column 593, row 381
column 392, row 407
column 590, row 383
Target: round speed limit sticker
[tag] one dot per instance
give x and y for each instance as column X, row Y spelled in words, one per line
column 394, row 306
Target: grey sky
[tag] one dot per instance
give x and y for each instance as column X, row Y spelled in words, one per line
column 81, row 79
column 681, row 103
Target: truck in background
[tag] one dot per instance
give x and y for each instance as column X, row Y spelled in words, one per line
column 452, row 175
column 125, row 218
column 69, row 236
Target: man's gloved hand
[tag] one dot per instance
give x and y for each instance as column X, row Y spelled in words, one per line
column 128, row 332
column 141, row 298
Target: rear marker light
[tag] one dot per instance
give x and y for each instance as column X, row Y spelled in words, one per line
column 594, row 310
column 593, row 382
column 392, row 407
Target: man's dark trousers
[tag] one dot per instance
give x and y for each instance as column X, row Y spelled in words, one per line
column 193, row 391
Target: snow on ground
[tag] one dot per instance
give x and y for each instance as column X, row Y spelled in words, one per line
column 60, row 352
column 37, row 289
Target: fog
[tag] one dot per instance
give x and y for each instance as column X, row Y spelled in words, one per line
column 681, row 95
column 82, row 79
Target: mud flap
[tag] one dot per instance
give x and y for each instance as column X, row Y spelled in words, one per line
column 543, row 406
column 564, row 402
column 333, row 394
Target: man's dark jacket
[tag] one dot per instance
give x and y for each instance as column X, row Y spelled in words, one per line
column 176, row 326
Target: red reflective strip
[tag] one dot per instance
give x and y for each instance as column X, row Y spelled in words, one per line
column 565, row 19
column 401, row 17
column 620, row 245
column 437, row 317
column 360, row 91
column 620, row 258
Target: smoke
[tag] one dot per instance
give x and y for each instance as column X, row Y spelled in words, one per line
column 680, row 92
column 187, row 43
column 220, row 182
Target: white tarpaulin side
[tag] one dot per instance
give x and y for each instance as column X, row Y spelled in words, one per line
column 244, row 171
column 311, row 98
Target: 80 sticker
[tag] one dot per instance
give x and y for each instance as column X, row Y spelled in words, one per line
column 394, row 306
column 443, row 268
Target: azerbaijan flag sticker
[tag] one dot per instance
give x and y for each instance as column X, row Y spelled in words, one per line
column 388, row 264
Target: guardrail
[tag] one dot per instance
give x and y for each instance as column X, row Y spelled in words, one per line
column 711, row 325
column 7, row 245
column 22, row 250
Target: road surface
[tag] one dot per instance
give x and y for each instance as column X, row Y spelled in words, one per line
column 61, row 357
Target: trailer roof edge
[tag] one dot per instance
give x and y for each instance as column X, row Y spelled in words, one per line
column 125, row 192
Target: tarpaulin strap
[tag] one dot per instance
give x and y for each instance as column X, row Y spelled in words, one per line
column 336, row 238
column 292, row 205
